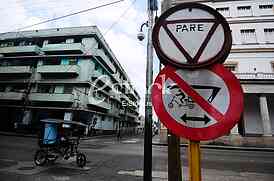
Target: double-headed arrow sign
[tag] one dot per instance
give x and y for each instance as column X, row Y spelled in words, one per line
column 186, row 118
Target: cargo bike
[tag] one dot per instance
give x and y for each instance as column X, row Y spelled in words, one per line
column 59, row 138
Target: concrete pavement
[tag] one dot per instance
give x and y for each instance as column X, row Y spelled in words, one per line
column 113, row 160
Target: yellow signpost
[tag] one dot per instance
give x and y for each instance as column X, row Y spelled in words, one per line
column 194, row 156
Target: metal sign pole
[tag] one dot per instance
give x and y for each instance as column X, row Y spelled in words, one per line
column 174, row 159
column 194, row 157
column 148, row 105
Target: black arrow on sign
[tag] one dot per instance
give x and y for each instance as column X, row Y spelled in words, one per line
column 205, row 119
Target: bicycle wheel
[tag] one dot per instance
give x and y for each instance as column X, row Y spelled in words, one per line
column 40, row 157
column 81, row 160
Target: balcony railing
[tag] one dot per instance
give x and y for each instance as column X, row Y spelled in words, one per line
column 47, row 97
column 59, row 69
column 255, row 76
column 75, row 48
column 11, row 96
column 29, row 50
column 15, row 70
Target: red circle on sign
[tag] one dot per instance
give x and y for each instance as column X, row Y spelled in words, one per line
column 225, row 122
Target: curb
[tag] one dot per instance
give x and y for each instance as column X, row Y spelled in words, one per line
column 18, row 134
column 224, row 147
column 36, row 136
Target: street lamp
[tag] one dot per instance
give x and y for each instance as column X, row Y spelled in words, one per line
column 152, row 6
column 148, row 105
column 141, row 35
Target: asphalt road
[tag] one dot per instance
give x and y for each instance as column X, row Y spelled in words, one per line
column 110, row 160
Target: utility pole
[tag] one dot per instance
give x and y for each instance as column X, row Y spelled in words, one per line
column 152, row 5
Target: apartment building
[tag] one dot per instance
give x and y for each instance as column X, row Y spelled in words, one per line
column 64, row 73
column 251, row 59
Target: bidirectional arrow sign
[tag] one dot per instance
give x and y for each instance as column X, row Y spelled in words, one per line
column 191, row 35
column 204, row 119
column 200, row 104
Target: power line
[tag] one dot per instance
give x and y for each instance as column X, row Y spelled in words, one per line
column 102, row 35
column 111, row 26
column 67, row 15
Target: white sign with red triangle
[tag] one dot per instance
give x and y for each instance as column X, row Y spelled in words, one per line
column 191, row 35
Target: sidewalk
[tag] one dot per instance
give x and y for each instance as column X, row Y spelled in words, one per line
column 207, row 175
column 221, row 144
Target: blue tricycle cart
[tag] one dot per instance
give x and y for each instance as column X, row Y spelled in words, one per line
column 59, row 138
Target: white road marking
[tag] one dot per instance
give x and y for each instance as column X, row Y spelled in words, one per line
column 133, row 140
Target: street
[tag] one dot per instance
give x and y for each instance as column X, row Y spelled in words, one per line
column 112, row 160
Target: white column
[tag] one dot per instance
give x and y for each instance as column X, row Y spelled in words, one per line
column 267, row 131
column 234, row 130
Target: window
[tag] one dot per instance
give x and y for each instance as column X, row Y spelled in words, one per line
column 57, row 40
column 68, row 89
column 2, row 88
column 266, row 6
column 272, row 65
column 73, row 61
column 52, row 62
column 17, row 88
column 269, row 30
column 266, row 10
column 5, row 63
column 100, row 46
column 224, row 11
column 244, row 11
column 248, row 36
column 231, row 65
column 244, row 8
column 46, row 89
column 70, row 40
column 97, row 66
column 269, row 35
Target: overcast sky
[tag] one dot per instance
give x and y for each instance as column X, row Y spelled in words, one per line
column 127, row 15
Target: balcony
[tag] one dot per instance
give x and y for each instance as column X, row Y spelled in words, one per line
column 255, row 76
column 122, row 112
column 104, row 79
column 114, row 112
column 15, row 70
column 59, row 69
column 133, row 115
column 21, row 50
column 62, row 48
column 98, row 103
column 124, row 97
column 11, row 96
column 105, row 59
column 46, row 97
column 117, row 78
column 115, row 95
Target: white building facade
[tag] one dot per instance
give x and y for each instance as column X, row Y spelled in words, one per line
column 251, row 59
